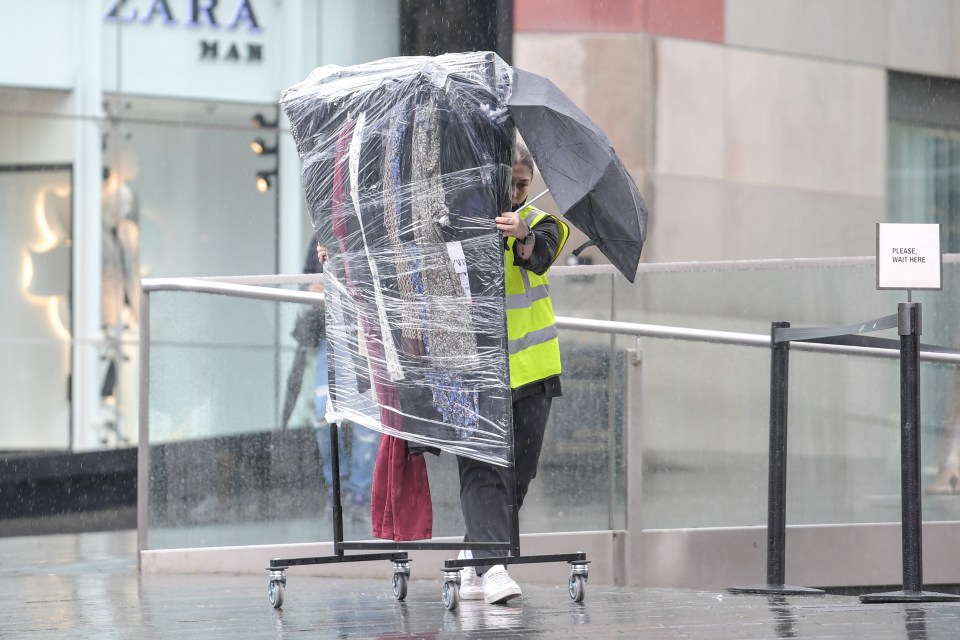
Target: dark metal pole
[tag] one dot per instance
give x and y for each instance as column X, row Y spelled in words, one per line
column 910, row 329
column 777, row 484
column 337, row 506
column 777, row 475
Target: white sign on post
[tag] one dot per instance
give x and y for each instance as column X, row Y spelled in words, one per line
column 908, row 256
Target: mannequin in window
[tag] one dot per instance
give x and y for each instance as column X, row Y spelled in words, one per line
column 120, row 298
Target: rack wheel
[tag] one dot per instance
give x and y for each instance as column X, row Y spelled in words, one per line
column 577, row 588
column 400, row 585
column 450, row 595
column 275, row 591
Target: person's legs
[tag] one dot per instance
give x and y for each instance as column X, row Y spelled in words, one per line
column 322, row 432
column 529, row 424
column 948, row 476
column 322, row 429
column 322, row 383
column 363, row 454
column 484, row 498
column 483, row 486
column 484, row 502
column 486, row 516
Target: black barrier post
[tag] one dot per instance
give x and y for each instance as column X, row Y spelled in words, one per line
column 910, row 329
column 777, row 476
column 777, row 468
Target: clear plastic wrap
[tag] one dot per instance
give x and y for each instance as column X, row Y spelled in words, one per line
column 405, row 164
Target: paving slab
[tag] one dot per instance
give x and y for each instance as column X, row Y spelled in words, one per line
column 87, row 586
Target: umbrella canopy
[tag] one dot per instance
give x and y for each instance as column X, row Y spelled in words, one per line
column 586, row 177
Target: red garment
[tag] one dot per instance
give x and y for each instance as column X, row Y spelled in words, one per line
column 400, row 504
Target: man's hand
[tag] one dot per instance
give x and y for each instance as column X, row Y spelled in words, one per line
column 317, row 287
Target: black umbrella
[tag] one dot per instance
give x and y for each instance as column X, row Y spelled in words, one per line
column 309, row 330
column 583, row 172
column 294, row 382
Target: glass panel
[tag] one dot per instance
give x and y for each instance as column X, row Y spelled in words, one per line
column 179, row 199
column 705, row 410
column 705, row 417
column 924, row 178
column 196, row 185
column 35, row 326
column 216, row 369
column 223, row 471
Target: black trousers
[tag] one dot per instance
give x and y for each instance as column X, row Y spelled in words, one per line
column 484, row 498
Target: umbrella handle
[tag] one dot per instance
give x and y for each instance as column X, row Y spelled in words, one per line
column 537, row 197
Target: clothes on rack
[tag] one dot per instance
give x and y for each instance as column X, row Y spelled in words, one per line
column 403, row 174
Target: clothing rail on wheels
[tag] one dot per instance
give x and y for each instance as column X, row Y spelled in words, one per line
column 251, row 287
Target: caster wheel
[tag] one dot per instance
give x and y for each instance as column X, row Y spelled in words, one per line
column 275, row 591
column 400, row 586
column 450, row 595
column 577, row 588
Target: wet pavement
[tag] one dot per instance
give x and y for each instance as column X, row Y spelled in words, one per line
column 87, row 586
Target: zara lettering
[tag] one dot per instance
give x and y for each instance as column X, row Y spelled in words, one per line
column 198, row 13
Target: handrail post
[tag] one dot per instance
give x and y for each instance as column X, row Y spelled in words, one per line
column 777, row 474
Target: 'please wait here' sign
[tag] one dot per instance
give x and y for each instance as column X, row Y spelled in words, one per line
column 908, row 256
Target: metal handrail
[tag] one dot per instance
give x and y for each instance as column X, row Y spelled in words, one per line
column 734, row 338
column 221, row 287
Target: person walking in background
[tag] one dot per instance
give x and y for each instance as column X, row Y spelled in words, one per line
column 358, row 446
column 532, row 241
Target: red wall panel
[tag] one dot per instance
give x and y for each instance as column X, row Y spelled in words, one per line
column 696, row 19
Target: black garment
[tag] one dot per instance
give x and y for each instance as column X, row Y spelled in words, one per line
column 547, row 234
column 483, row 486
column 312, row 264
column 311, row 325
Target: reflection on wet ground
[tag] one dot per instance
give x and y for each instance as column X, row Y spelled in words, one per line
column 87, row 586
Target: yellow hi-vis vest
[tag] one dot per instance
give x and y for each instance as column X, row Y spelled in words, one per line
column 531, row 330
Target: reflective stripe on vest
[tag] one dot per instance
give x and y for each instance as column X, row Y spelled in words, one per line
column 532, row 333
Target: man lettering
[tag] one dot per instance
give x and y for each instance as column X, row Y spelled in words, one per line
column 208, row 49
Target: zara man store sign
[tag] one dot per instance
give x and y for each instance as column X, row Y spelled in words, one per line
column 206, row 49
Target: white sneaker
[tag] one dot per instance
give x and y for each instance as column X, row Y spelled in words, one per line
column 498, row 586
column 471, row 585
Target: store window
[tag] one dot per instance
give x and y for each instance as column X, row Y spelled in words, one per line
column 36, row 241
column 923, row 183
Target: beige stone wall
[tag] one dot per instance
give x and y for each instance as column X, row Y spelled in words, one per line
column 771, row 145
column 606, row 75
column 922, row 36
column 762, row 155
column 740, row 154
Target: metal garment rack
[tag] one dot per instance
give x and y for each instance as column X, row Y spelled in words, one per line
column 258, row 288
column 396, row 551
